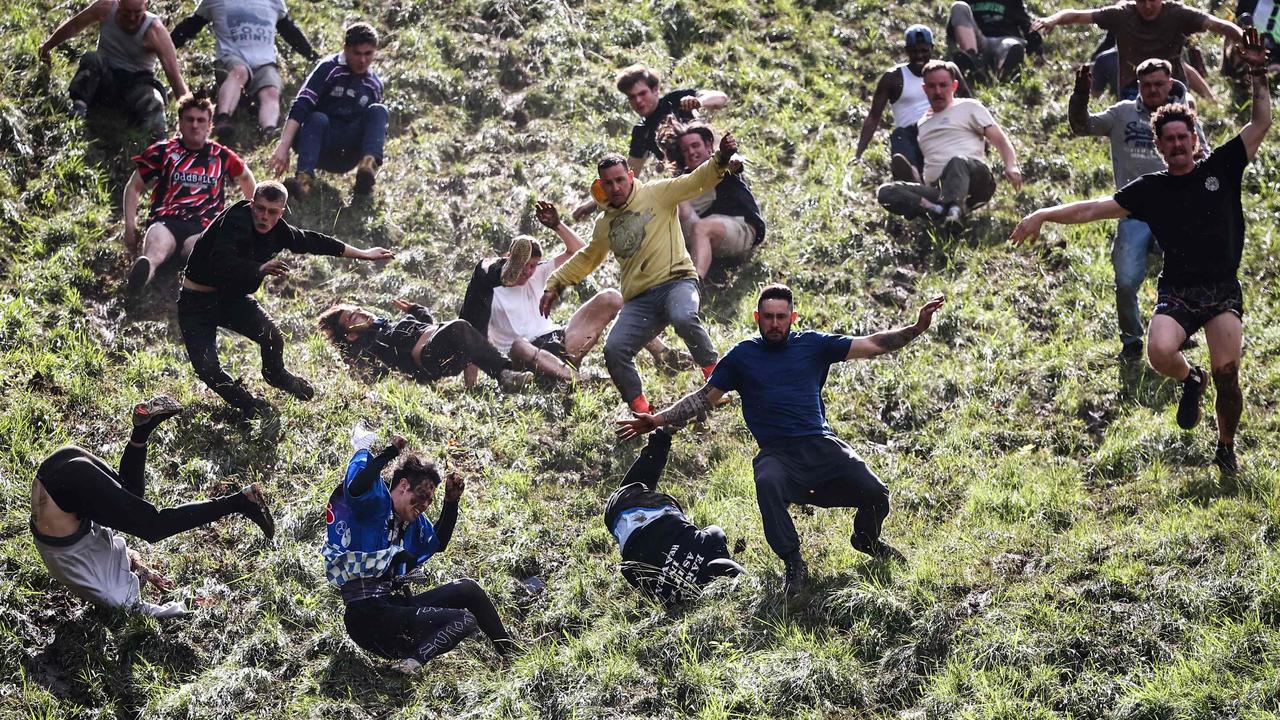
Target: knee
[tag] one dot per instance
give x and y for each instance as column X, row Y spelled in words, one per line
column 238, row 75
column 703, row 228
column 769, row 485
column 614, row 352
column 269, row 94
column 1161, row 350
column 960, row 9
column 715, row 532
column 610, row 300
column 377, row 112
column 91, row 61
column 1227, row 375
column 470, row 590
column 316, row 121
column 886, row 194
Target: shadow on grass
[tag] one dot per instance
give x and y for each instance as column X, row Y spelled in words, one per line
column 352, row 674
column 1142, row 385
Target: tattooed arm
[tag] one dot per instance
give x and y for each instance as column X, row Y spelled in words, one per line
column 689, row 408
column 869, row 346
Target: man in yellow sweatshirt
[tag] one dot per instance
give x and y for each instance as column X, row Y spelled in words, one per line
column 641, row 225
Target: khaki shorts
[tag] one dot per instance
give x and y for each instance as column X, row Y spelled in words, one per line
column 739, row 238
column 263, row 76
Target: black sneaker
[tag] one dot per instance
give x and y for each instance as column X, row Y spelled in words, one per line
column 139, row 275
column 902, row 170
column 1192, row 391
column 795, row 577
column 224, row 129
column 256, row 407
column 292, row 384
column 971, row 65
column 257, row 511
column 1012, row 67
column 1130, row 352
column 876, row 548
column 1225, row 458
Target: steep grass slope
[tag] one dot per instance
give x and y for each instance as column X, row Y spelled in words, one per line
column 1071, row 552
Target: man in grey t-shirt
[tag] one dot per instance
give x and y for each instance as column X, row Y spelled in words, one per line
column 245, row 33
column 1133, row 154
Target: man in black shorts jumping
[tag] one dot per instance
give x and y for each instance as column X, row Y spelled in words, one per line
column 779, row 376
column 1194, row 212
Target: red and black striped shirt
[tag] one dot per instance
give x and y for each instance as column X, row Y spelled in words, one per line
column 189, row 183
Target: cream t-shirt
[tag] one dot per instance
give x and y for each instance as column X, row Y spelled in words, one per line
column 957, row 131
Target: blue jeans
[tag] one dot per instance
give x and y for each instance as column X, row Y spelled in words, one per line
column 1133, row 242
column 672, row 303
column 338, row 145
column 903, row 141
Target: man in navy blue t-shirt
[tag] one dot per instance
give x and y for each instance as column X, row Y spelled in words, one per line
column 779, row 376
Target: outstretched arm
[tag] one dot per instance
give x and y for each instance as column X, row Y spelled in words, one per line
column 1226, row 29
column 132, row 190
column 1062, row 17
column 869, row 346
column 162, row 45
column 872, row 121
column 690, row 407
column 1082, row 211
column 1255, row 55
column 95, row 13
column 996, row 136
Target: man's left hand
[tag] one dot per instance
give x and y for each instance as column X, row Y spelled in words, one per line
column 925, row 318
column 454, row 484
column 1014, row 175
column 547, row 214
column 691, row 103
column 377, row 253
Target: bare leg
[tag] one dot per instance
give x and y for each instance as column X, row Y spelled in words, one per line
column 157, row 245
column 469, row 375
column 707, row 235
column 1164, row 338
column 268, row 107
column 688, row 218
column 656, row 347
column 229, row 92
column 187, row 245
column 544, row 363
column 1223, row 334
column 589, row 321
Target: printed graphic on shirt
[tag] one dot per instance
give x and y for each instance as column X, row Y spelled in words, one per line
column 1211, row 184
column 189, row 184
column 249, row 28
column 626, row 232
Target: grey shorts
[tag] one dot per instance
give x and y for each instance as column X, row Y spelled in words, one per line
column 263, row 76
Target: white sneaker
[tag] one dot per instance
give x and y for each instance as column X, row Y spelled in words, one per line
column 408, row 666
column 361, row 437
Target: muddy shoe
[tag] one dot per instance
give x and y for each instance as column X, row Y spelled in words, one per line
column 1130, row 352
column 672, row 361
column 876, row 548
column 795, row 576
column 256, row 407
column 292, row 384
column 407, row 666
column 155, row 410
column 512, row 381
column 257, row 511
column 366, row 175
column 299, row 185
column 224, row 129
column 139, row 275
column 1012, row 68
column 902, row 170
column 1192, row 391
column 1225, row 459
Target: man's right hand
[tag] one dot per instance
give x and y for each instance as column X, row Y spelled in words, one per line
column 1084, row 78
column 584, row 210
column 548, row 301
column 1027, row 229
column 275, row 266
column 728, row 148
column 399, row 442
column 278, row 163
column 639, row 425
column 547, row 214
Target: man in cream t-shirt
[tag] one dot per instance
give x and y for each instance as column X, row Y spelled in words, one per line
column 953, row 138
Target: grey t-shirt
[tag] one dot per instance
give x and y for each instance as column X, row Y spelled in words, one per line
column 1128, row 125
column 96, row 568
column 244, row 28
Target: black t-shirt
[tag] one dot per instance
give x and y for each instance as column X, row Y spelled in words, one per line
column 1001, row 18
column 670, row 558
column 644, row 139
column 1196, row 218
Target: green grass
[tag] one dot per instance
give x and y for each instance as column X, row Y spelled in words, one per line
column 1072, row 554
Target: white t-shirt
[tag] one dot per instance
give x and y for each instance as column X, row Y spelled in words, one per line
column 957, row 131
column 245, row 28
column 514, row 313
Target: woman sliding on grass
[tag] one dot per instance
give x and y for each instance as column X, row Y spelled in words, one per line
column 377, row 537
column 77, row 500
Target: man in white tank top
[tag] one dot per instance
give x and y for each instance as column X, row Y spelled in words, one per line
column 902, row 88
column 121, row 72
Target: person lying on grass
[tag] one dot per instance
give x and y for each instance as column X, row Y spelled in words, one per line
column 78, row 504
column 416, row 344
column 378, row 536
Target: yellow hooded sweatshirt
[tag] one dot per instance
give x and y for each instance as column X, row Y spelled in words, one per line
column 644, row 234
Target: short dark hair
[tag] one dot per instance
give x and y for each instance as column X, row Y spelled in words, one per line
column 188, row 101
column 361, row 33
column 774, row 291
column 329, row 325
column 633, row 74
column 668, row 137
column 609, row 161
column 1173, row 112
column 416, row 469
column 271, row 191
column 937, row 64
column 1150, row 65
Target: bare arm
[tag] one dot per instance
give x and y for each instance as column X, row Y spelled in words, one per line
column 688, row 408
column 1082, row 211
column 162, row 45
column 247, row 183
column 636, row 164
column 93, row 14
column 132, row 190
column 872, row 121
column 278, row 163
column 1228, row 30
column 1062, row 17
column 550, row 218
column 995, row 135
column 1255, row 55
column 869, row 346
column 712, row 100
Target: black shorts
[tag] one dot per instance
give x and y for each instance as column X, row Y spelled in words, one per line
column 552, row 342
column 1194, row 305
column 181, row 229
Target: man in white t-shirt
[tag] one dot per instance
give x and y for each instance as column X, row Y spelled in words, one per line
column 502, row 300
column 953, row 138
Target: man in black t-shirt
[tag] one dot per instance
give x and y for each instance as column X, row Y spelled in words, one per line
column 1194, row 212
column 662, row 552
column 231, row 258
column 643, row 88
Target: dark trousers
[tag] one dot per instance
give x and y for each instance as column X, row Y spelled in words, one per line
column 456, row 345
column 199, row 317
column 822, row 471
column 905, row 141
column 81, row 483
column 338, row 145
column 426, row 625
column 137, row 94
column 964, row 181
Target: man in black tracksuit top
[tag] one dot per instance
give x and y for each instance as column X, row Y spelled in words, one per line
column 662, row 552
column 227, row 265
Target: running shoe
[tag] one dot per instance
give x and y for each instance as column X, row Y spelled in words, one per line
column 1192, row 391
column 1012, row 67
column 292, row 384
column 512, row 381
column 139, row 275
column 876, row 548
column 257, row 510
column 795, row 576
column 366, row 175
column 1225, row 458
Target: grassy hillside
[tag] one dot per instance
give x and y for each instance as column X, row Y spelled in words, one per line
column 1072, row 554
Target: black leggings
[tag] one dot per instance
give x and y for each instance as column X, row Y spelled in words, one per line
column 81, row 483
column 426, row 625
column 456, row 345
column 199, row 317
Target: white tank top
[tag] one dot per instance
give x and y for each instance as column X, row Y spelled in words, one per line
column 912, row 104
column 122, row 51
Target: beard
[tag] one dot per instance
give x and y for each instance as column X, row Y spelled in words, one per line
column 777, row 341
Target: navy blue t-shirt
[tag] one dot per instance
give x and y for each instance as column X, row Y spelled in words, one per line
column 781, row 385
